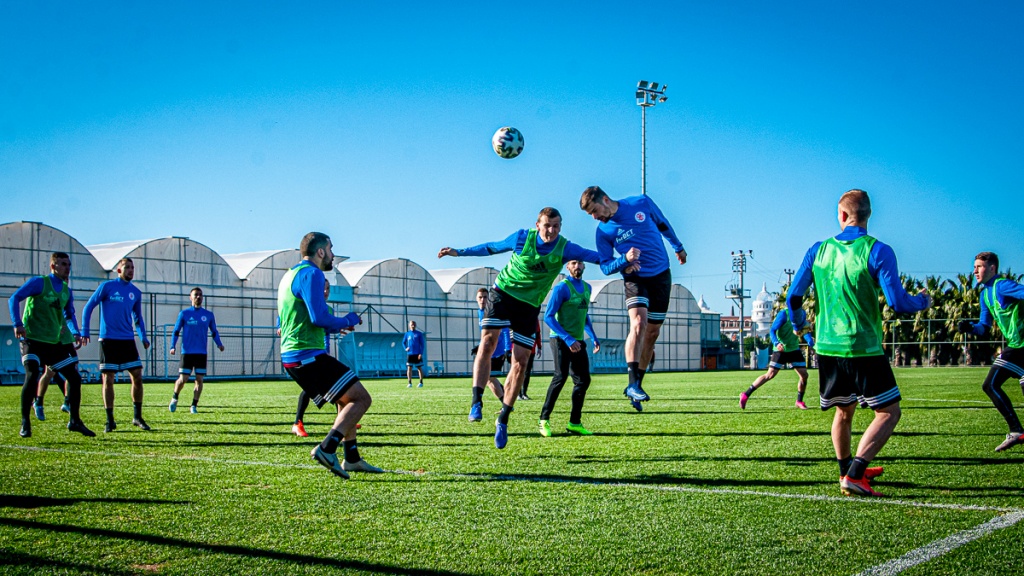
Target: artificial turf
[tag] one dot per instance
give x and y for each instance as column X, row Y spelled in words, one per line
column 693, row 485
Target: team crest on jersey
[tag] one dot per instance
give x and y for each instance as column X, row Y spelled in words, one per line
column 203, row 318
column 640, row 217
column 131, row 296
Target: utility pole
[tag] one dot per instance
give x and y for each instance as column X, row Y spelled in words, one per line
column 737, row 291
column 789, row 273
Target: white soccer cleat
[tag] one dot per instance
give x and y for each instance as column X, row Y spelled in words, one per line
column 329, row 461
column 360, row 466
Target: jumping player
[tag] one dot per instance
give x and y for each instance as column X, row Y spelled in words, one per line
column 848, row 272
column 305, row 321
column 787, row 351
column 1000, row 299
column 196, row 322
column 120, row 305
column 520, row 288
column 498, row 357
column 634, row 228
column 50, row 308
column 566, row 314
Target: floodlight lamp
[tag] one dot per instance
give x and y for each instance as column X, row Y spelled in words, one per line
column 639, row 95
column 663, row 98
column 654, row 85
column 641, row 84
column 664, row 87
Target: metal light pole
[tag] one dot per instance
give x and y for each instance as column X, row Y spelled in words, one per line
column 738, row 292
column 647, row 94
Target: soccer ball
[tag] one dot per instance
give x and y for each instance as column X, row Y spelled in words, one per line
column 507, row 142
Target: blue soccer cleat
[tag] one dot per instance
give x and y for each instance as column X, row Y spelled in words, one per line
column 637, row 405
column 40, row 415
column 500, row 435
column 635, row 392
column 476, row 412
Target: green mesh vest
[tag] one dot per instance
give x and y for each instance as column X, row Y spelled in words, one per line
column 849, row 322
column 528, row 276
column 572, row 315
column 66, row 337
column 1008, row 318
column 297, row 331
column 789, row 341
column 44, row 313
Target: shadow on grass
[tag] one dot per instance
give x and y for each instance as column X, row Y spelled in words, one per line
column 8, row 558
column 26, row 501
column 234, row 550
column 652, row 480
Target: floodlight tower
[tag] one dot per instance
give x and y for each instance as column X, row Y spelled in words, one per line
column 647, row 94
column 738, row 292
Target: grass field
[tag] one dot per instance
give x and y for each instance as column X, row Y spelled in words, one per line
column 693, row 485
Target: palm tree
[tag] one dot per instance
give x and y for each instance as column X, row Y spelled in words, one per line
column 963, row 302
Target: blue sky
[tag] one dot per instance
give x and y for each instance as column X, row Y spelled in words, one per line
column 245, row 125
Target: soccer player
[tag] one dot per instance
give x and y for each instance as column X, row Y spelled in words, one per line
column 498, row 357
column 50, row 308
column 787, row 351
column 196, row 322
column 566, row 314
column 634, row 228
column 534, row 354
column 67, row 339
column 305, row 322
column 848, row 272
column 520, row 288
column 1000, row 299
column 415, row 344
column 120, row 304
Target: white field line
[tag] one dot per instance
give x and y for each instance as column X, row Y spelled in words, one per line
column 541, row 479
column 944, row 545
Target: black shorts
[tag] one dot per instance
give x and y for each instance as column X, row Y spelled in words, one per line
column 780, row 359
column 497, row 364
column 652, row 293
column 324, row 378
column 118, row 355
column 71, row 351
column 866, row 380
column 504, row 311
column 190, row 362
column 1009, row 364
column 414, row 360
column 55, row 356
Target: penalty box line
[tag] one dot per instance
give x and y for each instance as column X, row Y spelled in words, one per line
column 549, row 480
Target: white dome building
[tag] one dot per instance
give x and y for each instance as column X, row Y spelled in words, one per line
column 761, row 312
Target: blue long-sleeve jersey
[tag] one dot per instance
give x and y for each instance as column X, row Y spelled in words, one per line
column 34, row 287
column 515, row 242
column 120, row 305
column 637, row 223
column 504, row 339
column 194, row 324
column 308, row 286
column 559, row 295
column 414, row 342
column 781, row 318
column 881, row 265
column 1007, row 292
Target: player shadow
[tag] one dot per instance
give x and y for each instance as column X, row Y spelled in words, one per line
column 652, row 479
column 234, row 550
column 9, row 558
column 32, row 502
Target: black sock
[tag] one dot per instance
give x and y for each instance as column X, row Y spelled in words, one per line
column 632, row 370
column 640, row 375
column 175, row 395
column 857, row 468
column 138, row 410
column 844, row 465
column 331, row 441
column 799, row 396
column 478, row 395
column 750, row 391
column 38, row 400
column 195, row 400
column 110, row 415
column 351, row 452
column 505, row 411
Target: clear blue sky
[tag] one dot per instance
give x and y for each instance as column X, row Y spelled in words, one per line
column 244, row 125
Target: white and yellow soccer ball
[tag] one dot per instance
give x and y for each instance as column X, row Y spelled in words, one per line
column 507, row 142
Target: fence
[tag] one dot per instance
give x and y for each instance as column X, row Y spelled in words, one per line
column 930, row 342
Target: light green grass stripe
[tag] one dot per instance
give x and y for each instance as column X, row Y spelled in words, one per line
column 943, row 546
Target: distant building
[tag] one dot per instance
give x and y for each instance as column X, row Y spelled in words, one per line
column 761, row 315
